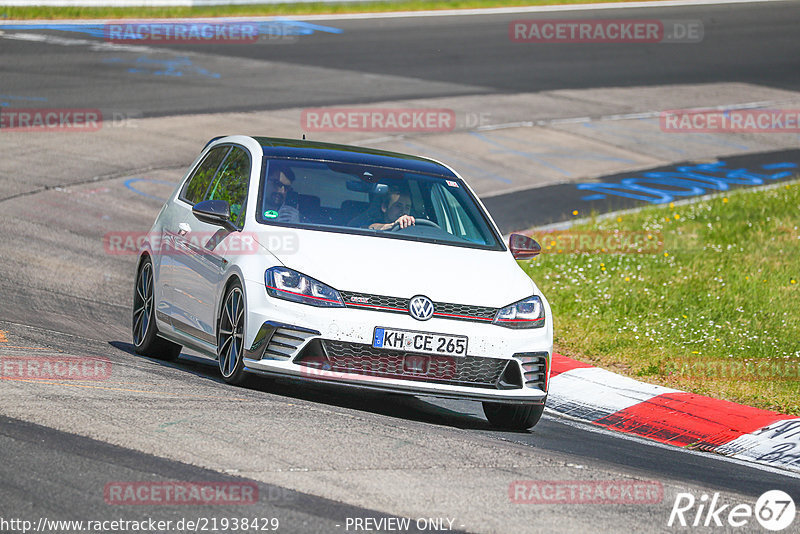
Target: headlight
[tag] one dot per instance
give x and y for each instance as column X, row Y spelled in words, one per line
column 283, row 283
column 527, row 313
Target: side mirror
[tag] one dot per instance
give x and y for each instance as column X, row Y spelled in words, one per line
column 217, row 212
column 523, row 247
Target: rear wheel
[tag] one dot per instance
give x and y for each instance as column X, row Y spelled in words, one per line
column 143, row 324
column 513, row 416
column 230, row 336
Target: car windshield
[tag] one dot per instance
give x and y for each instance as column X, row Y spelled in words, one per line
column 369, row 200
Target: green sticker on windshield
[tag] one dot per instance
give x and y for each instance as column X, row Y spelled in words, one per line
column 270, row 214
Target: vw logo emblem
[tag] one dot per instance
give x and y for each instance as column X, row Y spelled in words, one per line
column 421, row 308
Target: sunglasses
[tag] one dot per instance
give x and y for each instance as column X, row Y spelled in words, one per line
column 277, row 184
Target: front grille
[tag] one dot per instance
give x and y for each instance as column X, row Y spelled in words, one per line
column 534, row 367
column 360, row 358
column 367, row 301
column 464, row 311
column 443, row 310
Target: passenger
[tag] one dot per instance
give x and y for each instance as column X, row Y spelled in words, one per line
column 280, row 200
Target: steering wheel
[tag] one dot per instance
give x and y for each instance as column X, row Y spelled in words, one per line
column 420, row 222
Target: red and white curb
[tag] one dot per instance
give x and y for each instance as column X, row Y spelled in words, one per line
column 666, row 415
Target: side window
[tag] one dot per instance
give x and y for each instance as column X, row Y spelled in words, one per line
column 195, row 189
column 231, row 183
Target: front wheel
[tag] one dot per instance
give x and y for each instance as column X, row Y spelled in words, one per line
column 230, row 336
column 513, row 416
column 143, row 324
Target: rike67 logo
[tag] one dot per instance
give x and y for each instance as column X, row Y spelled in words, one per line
column 774, row 510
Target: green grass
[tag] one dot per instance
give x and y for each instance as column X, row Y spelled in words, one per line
column 715, row 311
column 48, row 12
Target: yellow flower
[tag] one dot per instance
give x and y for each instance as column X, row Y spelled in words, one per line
column 685, row 317
column 602, row 268
column 649, row 236
column 666, row 254
column 666, row 219
column 695, row 352
column 792, row 281
column 671, row 204
column 574, row 212
column 677, row 216
column 602, row 264
column 627, row 278
column 725, row 200
column 619, row 219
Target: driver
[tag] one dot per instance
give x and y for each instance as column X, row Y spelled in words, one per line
column 395, row 209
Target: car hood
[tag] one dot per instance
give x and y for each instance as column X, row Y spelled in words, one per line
column 403, row 268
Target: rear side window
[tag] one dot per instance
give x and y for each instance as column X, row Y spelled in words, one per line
column 231, row 183
column 197, row 185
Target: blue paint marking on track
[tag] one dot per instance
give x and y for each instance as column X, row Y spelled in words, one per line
column 128, row 184
column 135, row 31
column 93, row 30
column 770, row 166
column 5, row 98
column 163, row 67
column 304, row 28
column 686, row 181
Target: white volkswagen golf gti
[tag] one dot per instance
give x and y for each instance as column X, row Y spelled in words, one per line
column 348, row 265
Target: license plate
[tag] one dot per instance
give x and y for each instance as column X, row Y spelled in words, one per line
column 421, row 342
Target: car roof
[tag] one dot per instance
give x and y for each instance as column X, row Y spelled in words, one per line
column 303, row 149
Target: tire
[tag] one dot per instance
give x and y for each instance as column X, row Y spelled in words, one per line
column 230, row 336
column 143, row 325
column 513, row 416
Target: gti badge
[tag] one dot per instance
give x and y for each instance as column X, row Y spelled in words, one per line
column 421, row 308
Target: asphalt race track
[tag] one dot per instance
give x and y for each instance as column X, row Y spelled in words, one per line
column 320, row 457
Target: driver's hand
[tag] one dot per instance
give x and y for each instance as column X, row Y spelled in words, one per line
column 404, row 221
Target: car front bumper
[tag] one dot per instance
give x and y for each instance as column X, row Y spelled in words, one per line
column 334, row 345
